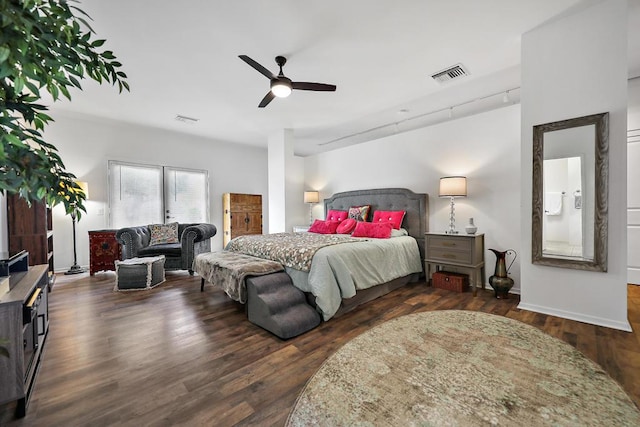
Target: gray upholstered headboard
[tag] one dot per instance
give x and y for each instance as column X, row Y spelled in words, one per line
column 416, row 221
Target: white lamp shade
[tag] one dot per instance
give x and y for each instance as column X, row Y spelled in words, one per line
column 311, row 197
column 453, row 186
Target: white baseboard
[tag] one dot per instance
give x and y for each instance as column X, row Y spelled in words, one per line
column 64, row 270
column 608, row 323
column 633, row 275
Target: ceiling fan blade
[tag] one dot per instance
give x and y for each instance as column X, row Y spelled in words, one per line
column 266, row 100
column 322, row 87
column 262, row 70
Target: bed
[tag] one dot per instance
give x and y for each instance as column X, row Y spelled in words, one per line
column 345, row 274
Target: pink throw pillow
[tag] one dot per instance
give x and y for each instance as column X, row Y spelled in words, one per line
column 323, row 227
column 375, row 230
column 394, row 217
column 334, row 215
column 346, row 226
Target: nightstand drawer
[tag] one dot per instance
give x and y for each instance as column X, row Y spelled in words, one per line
column 449, row 255
column 445, row 242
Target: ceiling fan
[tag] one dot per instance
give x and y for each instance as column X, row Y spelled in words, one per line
column 282, row 86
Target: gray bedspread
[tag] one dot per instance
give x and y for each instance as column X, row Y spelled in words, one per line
column 338, row 271
column 294, row 250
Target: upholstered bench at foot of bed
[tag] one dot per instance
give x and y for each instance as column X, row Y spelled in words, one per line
column 273, row 303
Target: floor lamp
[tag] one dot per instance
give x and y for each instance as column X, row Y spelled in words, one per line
column 75, row 268
column 311, row 197
column 452, row 187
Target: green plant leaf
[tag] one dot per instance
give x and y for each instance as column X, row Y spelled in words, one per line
column 4, row 53
column 44, row 44
column 18, row 84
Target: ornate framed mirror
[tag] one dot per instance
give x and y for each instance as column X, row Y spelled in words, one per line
column 570, row 193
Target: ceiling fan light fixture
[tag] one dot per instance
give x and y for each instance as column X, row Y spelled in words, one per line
column 281, row 88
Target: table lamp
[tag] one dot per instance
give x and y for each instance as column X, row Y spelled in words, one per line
column 311, row 197
column 452, row 187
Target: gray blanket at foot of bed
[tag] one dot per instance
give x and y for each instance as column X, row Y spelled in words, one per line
column 229, row 269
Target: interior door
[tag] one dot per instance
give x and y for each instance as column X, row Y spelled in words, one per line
column 633, row 207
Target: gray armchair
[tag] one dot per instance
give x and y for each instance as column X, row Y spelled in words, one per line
column 194, row 239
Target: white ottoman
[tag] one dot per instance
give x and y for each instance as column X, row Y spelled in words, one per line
column 139, row 273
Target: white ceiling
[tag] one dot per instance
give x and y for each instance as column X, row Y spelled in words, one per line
column 182, row 59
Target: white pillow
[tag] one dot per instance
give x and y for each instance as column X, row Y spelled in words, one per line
column 398, row 233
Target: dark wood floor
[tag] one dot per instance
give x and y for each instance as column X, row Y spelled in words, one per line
column 176, row 356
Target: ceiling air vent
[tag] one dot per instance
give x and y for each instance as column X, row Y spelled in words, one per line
column 185, row 119
column 455, row 72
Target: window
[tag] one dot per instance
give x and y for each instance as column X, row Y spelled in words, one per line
column 147, row 194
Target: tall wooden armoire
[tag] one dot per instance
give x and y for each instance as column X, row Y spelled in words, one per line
column 242, row 215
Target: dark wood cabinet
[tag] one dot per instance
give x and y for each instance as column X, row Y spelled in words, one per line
column 242, row 215
column 104, row 251
column 31, row 229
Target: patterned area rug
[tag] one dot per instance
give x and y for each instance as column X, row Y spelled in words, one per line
column 460, row 368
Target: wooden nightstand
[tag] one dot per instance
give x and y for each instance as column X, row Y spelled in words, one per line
column 462, row 253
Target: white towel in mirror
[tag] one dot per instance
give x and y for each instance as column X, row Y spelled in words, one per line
column 553, row 203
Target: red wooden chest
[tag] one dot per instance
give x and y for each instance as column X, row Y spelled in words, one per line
column 451, row 281
column 104, row 250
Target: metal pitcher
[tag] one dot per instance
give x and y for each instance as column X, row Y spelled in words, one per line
column 500, row 281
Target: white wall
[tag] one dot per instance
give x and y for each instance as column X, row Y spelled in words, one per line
column 87, row 143
column 485, row 148
column 573, row 67
column 297, row 210
column 280, row 150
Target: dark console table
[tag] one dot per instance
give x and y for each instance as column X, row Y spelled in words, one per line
column 104, row 251
column 24, row 324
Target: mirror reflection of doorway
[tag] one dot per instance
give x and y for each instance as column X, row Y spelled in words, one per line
column 586, row 138
column 563, row 214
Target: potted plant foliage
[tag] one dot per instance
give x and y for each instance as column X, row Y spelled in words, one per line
column 45, row 45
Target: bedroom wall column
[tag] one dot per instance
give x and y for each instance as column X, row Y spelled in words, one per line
column 286, row 182
column 571, row 67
